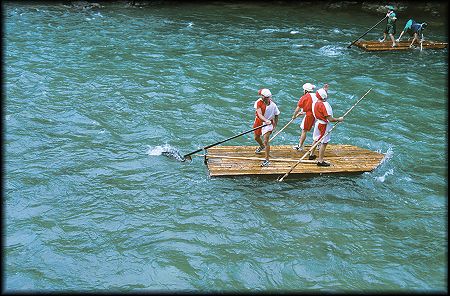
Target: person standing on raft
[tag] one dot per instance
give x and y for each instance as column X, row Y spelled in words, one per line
column 323, row 113
column 304, row 105
column 390, row 25
column 266, row 113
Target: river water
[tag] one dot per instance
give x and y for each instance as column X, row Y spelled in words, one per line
column 93, row 96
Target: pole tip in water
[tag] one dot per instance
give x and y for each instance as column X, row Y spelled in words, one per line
column 174, row 154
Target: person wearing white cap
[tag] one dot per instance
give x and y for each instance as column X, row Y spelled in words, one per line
column 266, row 113
column 304, row 107
column 323, row 113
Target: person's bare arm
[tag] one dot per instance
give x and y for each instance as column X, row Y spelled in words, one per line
column 261, row 116
column 333, row 119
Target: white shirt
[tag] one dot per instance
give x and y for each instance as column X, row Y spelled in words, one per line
column 271, row 111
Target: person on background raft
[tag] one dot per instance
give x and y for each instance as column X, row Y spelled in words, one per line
column 417, row 29
column 413, row 28
column 323, row 113
column 390, row 25
column 406, row 29
column 304, row 107
column 266, row 113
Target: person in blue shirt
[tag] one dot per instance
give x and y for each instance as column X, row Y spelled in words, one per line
column 417, row 29
column 414, row 29
column 390, row 25
column 407, row 29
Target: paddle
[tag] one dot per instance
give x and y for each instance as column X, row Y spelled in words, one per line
column 367, row 32
column 276, row 134
column 188, row 157
column 317, row 143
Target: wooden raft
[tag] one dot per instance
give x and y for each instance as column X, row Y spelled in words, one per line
column 402, row 45
column 242, row 160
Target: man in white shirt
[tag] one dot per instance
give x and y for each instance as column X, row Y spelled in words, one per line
column 266, row 113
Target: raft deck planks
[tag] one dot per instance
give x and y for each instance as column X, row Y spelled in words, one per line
column 231, row 160
column 402, row 45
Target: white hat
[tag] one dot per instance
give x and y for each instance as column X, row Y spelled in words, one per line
column 265, row 92
column 308, row 86
column 321, row 94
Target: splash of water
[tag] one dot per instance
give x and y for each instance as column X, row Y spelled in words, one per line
column 336, row 31
column 166, row 150
column 383, row 178
column 330, row 50
column 388, row 155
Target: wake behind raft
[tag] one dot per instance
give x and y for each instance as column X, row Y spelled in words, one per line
column 241, row 160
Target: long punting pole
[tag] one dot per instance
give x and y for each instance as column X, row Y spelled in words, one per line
column 290, row 121
column 188, row 156
column 366, row 32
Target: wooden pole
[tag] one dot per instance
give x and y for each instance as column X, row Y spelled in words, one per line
column 187, row 156
column 276, row 134
column 367, row 32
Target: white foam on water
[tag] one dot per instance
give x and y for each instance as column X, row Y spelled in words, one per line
column 330, row 50
column 273, row 30
column 158, row 150
column 407, row 179
column 246, row 17
column 336, row 30
column 388, row 155
column 383, row 178
column 165, row 150
column 303, row 45
column 309, row 28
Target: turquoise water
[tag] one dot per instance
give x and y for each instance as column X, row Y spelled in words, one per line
column 92, row 98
